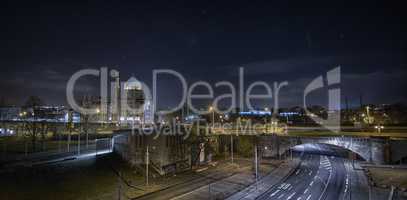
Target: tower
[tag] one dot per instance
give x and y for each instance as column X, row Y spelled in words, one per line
column 132, row 103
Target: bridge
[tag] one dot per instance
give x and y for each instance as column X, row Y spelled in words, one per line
column 378, row 150
column 373, row 147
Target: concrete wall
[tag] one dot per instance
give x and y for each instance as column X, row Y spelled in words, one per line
column 166, row 153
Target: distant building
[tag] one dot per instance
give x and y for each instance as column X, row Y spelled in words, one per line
column 132, row 103
column 255, row 113
column 52, row 113
column 148, row 112
column 9, row 113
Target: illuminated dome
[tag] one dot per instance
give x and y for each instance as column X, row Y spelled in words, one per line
column 132, row 84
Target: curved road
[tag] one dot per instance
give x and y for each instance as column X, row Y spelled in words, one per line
column 321, row 175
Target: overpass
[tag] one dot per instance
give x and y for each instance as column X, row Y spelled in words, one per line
column 171, row 153
column 378, row 150
column 372, row 147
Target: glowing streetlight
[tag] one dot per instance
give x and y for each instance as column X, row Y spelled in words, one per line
column 274, row 125
column 379, row 128
column 97, row 114
column 22, row 114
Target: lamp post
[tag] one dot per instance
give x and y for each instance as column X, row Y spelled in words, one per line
column 274, row 126
column 256, row 168
column 97, row 114
column 369, row 121
column 213, row 115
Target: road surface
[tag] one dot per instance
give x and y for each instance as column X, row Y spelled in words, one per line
column 322, row 174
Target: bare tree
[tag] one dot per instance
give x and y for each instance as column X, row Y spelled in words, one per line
column 32, row 125
column 3, row 113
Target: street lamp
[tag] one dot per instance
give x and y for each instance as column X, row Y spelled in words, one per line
column 213, row 115
column 369, row 121
column 97, row 114
column 379, row 128
column 22, row 114
column 274, row 125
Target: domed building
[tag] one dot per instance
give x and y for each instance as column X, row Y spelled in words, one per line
column 136, row 107
column 132, row 102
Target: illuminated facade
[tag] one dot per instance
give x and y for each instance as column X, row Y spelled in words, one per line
column 133, row 102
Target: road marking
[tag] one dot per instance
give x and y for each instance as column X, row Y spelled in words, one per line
column 274, row 193
column 281, row 186
column 286, row 186
column 291, row 196
column 346, row 183
column 306, row 191
column 299, row 198
column 309, row 197
column 327, row 182
column 279, row 197
column 312, row 183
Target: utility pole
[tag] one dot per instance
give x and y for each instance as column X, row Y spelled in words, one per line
column 79, row 142
column 70, row 126
column 147, row 162
column 213, row 118
column 231, row 147
column 96, row 147
column 256, row 163
column 212, row 109
column 291, row 150
column 352, row 155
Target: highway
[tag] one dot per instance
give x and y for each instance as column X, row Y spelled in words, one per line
column 321, row 175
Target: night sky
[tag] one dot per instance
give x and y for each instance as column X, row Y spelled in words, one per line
column 43, row 44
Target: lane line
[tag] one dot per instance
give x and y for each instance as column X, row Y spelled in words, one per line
column 291, row 196
column 274, row 193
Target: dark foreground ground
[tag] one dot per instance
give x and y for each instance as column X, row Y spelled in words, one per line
column 108, row 177
column 83, row 179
